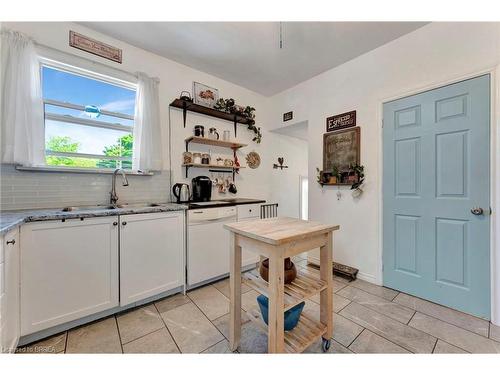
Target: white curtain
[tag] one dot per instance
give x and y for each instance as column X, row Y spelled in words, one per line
column 147, row 130
column 21, row 106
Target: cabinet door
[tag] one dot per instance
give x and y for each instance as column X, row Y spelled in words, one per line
column 68, row 270
column 10, row 300
column 151, row 254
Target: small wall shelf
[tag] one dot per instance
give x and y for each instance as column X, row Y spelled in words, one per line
column 213, row 142
column 336, row 184
column 186, row 106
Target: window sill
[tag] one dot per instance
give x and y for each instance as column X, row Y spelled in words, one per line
column 79, row 170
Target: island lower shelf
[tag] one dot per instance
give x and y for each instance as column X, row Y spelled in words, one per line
column 298, row 339
column 306, row 284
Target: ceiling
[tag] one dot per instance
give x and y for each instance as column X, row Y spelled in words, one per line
column 248, row 53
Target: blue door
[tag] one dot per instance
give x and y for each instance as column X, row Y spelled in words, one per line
column 436, row 178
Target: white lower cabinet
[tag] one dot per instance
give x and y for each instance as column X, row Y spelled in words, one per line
column 151, row 254
column 9, row 292
column 69, row 270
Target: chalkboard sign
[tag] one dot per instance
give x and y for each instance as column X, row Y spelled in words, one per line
column 341, row 149
column 342, row 121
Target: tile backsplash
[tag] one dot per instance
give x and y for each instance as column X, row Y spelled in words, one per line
column 23, row 189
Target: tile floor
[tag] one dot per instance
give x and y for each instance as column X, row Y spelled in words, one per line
column 367, row 319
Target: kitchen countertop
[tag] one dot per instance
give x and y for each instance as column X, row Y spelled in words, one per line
column 12, row 219
column 232, row 202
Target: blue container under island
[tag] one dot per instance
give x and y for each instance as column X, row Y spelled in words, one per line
column 291, row 316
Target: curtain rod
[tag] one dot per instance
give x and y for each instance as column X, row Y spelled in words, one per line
column 134, row 75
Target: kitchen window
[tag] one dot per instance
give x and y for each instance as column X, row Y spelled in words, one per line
column 89, row 118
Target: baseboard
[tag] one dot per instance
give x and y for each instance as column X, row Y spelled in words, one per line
column 361, row 275
column 366, row 277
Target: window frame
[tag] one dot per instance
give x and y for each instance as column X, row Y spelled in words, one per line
column 90, row 74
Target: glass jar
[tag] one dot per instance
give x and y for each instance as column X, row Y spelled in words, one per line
column 187, row 157
column 196, row 158
column 205, row 159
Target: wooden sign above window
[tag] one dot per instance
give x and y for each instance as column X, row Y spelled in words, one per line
column 95, row 47
column 344, row 120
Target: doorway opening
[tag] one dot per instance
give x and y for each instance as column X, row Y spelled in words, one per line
column 291, row 142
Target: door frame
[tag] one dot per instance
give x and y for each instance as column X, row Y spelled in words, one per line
column 301, row 201
column 494, row 73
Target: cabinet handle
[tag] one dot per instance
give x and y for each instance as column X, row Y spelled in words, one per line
column 115, row 223
column 11, row 242
column 124, row 223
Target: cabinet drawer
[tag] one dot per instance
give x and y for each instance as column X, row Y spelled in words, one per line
column 248, row 211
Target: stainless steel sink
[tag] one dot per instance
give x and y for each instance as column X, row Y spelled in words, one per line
column 137, row 205
column 87, row 208
column 109, row 207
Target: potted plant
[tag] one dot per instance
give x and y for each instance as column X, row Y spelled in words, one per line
column 335, row 176
column 359, row 173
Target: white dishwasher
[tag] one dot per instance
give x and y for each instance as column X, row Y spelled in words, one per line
column 208, row 245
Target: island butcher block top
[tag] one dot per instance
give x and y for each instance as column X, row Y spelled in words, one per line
column 280, row 230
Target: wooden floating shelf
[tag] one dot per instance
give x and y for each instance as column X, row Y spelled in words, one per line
column 305, row 285
column 186, row 106
column 298, row 339
column 213, row 142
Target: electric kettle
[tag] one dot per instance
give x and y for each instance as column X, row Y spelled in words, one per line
column 181, row 192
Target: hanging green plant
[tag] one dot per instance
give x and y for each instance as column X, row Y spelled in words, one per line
column 230, row 106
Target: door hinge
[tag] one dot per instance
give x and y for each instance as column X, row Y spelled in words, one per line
column 382, row 122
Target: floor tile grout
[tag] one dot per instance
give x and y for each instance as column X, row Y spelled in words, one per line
column 454, row 325
column 66, row 341
column 434, row 348
column 414, row 313
column 217, row 343
column 119, row 335
column 383, row 337
column 210, row 321
column 396, row 296
column 165, row 324
column 142, row 336
column 359, row 334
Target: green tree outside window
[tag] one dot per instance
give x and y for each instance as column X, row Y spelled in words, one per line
column 122, row 148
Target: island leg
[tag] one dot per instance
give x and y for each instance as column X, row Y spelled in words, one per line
column 235, row 293
column 326, row 295
column 276, row 326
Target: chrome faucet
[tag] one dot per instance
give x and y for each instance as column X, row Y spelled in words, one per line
column 113, row 196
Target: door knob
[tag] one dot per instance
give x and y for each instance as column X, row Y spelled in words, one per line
column 477, row 211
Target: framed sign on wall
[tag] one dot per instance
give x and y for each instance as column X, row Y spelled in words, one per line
column 95, row 47
column 342, row 121
column 341, row 149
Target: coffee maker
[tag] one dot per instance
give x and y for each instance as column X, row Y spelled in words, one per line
column 202, row 188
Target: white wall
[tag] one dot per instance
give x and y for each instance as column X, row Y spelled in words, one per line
column 436, row 53
column 174, row 78
column 285, row 184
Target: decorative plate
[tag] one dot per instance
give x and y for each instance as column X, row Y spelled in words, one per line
column 253, row 160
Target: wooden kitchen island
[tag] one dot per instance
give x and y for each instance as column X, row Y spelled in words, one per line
column 277, row 239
